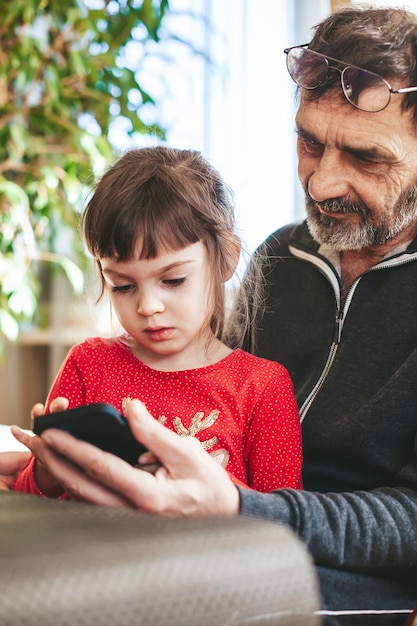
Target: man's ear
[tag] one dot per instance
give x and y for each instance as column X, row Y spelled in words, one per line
column 232, row 259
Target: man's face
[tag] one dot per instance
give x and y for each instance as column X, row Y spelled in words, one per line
column 359, row 172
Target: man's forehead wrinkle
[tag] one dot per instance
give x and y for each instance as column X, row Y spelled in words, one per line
column 354, row 135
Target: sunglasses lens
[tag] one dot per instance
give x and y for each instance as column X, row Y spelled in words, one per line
column 365, row 90
column 307, row 69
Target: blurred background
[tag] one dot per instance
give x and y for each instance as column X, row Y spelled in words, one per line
column 81, row 81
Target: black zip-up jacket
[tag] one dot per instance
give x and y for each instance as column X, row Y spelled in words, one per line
column 354, row 370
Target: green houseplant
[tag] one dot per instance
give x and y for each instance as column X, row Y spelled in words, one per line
column 63, row 83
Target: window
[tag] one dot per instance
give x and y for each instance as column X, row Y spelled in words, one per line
column 234, row 100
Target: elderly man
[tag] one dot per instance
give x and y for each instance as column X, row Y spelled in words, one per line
column 341, row 315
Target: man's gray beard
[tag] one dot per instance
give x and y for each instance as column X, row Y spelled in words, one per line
column 341, row 235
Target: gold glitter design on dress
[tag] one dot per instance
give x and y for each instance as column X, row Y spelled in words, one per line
column 125, row 404
column 198, row 424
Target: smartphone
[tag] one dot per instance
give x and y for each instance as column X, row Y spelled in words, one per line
column 100, row 424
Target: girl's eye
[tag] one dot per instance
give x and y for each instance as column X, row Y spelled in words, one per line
column 174, row 282
column 121, row 288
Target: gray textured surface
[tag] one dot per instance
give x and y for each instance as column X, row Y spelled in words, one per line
column 66, row 563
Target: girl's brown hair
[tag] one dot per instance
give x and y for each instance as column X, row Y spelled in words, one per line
column 165, row 199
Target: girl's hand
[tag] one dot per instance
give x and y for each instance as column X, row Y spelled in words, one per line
column 189, row 481
column 57, row 404
column 12, row 462
column 44, row 479
column 10, row 465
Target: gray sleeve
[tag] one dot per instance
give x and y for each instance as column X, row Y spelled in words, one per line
column 373, row 531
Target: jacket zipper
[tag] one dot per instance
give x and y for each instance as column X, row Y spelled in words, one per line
column 328, row 272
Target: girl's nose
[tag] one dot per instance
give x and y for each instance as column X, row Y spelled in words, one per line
column 149, row 304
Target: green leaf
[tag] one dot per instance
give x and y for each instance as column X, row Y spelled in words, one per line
column 8, row 325
column 73, row 273
column 17, row 197
column 23, row 302
column 61, row 62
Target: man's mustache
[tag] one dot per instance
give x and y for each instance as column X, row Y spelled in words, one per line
column 338, row 206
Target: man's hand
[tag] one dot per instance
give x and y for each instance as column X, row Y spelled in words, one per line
column 188, row 483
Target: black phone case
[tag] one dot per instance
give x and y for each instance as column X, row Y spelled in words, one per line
column 100, row 424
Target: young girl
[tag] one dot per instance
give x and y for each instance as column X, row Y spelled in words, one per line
column 160, row 226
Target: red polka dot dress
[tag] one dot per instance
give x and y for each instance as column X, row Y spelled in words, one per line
column 242, row 409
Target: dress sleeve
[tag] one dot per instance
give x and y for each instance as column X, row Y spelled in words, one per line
column 273, row 442
column 68, row 384
column 25, row 481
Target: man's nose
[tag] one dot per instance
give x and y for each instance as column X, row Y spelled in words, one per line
column 330, row 178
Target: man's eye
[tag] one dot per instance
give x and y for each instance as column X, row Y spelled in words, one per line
column 310, row 146
column 368, row 159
